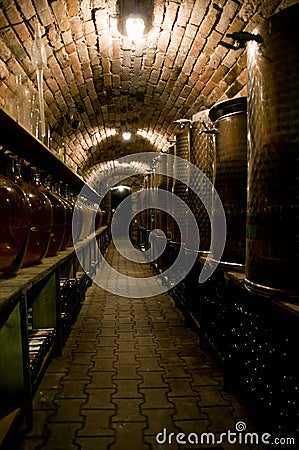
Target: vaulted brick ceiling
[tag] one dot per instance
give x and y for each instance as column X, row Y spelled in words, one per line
column 97, row 83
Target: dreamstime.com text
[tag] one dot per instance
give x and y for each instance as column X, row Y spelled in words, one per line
column 239, row 436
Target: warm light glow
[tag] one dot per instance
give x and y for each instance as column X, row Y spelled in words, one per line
column 134, row 28
column 127, row 135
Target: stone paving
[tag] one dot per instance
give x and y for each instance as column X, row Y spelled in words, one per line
column 130, row 369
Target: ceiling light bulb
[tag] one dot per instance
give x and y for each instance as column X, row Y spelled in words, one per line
column 126, row 135
column 134, row 28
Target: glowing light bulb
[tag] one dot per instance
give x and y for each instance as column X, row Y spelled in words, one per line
column 126, row 135
column 134, row 28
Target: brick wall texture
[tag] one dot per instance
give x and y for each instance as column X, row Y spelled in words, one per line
column 96, row 76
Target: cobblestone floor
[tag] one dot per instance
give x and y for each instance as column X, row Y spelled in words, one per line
column 130, row 369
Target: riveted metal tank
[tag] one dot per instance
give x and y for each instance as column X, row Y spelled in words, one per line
column 161, row 183
column 171, row 151
column 272, row 244
column 230, row 178
column 201, row 155
column 144, row 213
column 180, row 182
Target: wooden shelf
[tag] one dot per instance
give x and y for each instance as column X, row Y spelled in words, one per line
column 12, row 288
column 36, row 289
column 15, row 137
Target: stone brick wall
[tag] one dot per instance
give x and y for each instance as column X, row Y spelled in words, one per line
column 177, row 69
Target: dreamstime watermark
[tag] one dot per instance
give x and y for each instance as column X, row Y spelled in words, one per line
column 238, row 436
column 158, row 199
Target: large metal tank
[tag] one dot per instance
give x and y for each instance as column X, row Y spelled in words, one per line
column 180, row 183
column 160, row 182
column 171, row 151
column 201, row 155
column 272, row 251
column 143, row 215
column 230, row 178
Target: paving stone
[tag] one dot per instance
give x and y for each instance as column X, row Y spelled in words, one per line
column 73, row 389
column 193, row 426
column 175, row 370
column 202, row 377
column 68, row 410
column 145, row 340
column 99, row 443
column 187, row 408
column 59, row 365
column 193, row 361
column 160, row 327
column 62, row 435
column 51, row 380
column 143, row 331
column 158, row 419
column 147, row 351
column 152, row 379
column 149, row 364
column 82, row 359
column 126, row 372
column 129, row 436
column 188, row 350
column 88, row 336
column 126, row 358
column 126, row 336
column 105, row 352
column 169, row 356
column 210, row 396
column 106, row 341
column 128, row 410
column 162, row 345
column 125, row 319
column 107, row 332
column 103, row 365
column 125, row 327
column 109, row 317
column 108, row 323
column 39, row 429
column 99, row 399
column 164, row 336
column 78, row 373
column 96, row 422
column 179, row 387
column 221, row 418
column 127, row 389
column 155, row 398
column 125, row 347
column 44, row 399
column 86, row 346
column 26, row 444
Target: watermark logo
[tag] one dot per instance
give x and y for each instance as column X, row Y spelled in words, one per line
column 239, row 436
column 158, row 199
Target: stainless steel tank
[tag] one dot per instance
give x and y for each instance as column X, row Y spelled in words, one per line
column 170, row 225
column 230, row 177
column 161, row 183
column 272, row 244
column 180, row 182
column 201, row 155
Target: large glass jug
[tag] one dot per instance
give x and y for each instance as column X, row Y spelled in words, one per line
column 14, row 226
column 41, row 217
column 59, row 215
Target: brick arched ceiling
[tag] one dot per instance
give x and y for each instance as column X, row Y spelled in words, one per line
column 97, row 83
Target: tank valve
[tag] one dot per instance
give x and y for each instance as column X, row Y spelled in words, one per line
column 184, row 122
column 241, row 38
column 207, row 130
